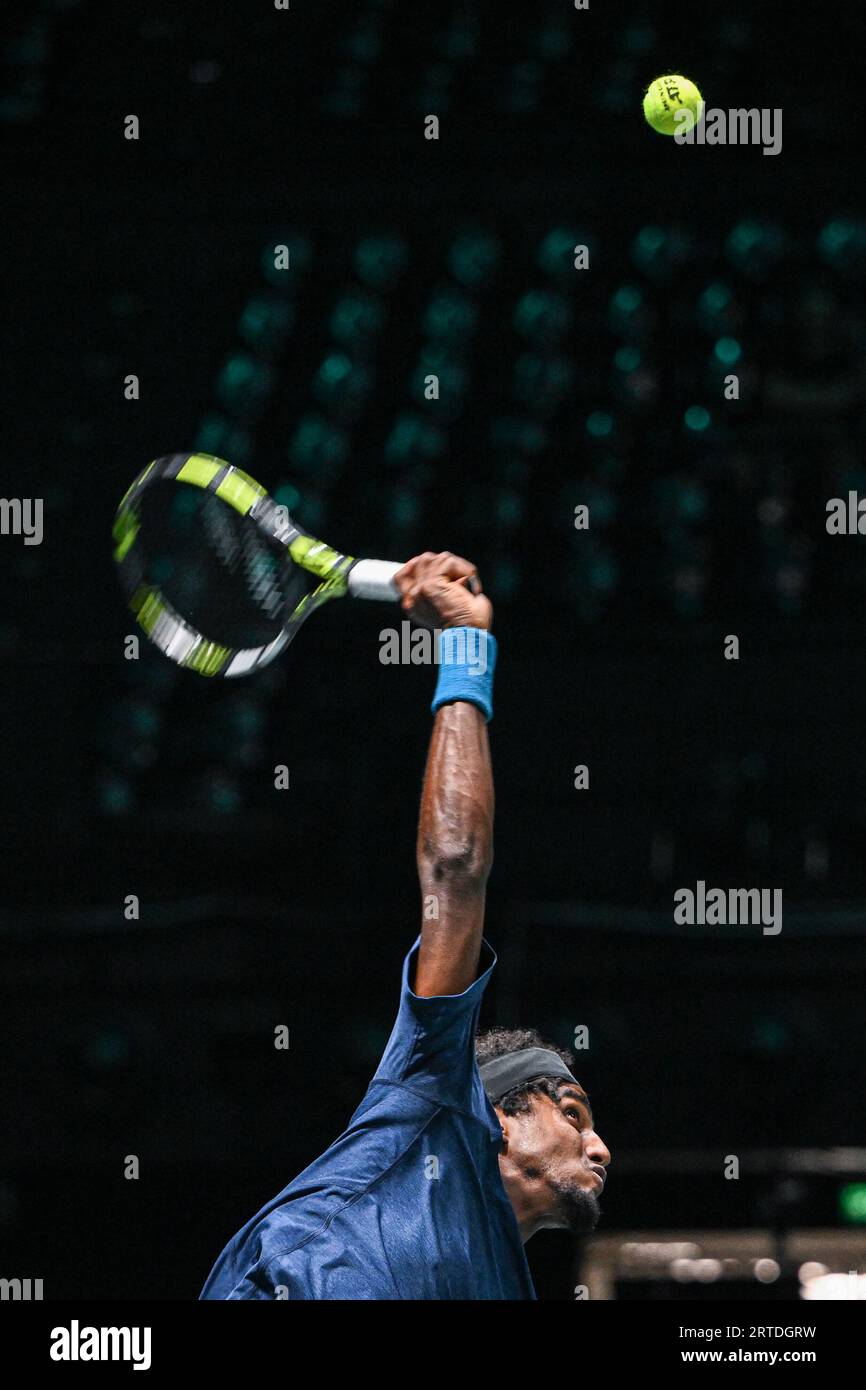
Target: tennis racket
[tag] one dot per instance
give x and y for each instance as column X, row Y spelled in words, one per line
column 217, row 574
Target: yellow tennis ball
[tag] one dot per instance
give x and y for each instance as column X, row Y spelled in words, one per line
column 665, row 97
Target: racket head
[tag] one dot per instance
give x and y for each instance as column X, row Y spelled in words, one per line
column 217, row 575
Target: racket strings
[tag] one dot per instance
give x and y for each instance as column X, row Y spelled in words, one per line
column 217, row 569
column 217, row 524
column 261, row 576
column 239, row 546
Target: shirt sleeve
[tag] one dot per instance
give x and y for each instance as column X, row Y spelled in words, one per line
column 326, row 1269
column 432, row 1045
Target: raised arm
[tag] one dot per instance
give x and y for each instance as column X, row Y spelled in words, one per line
column 455, row 829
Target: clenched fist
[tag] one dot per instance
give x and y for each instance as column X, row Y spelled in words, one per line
column 443, row 590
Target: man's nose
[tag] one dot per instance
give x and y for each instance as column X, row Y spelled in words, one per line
column 596, row 1149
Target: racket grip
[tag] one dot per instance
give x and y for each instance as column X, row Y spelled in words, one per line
column 374, row 579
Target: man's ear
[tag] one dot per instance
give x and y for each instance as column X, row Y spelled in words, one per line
column 505, row 1126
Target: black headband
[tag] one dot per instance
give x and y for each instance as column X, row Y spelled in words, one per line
column 502, row 1074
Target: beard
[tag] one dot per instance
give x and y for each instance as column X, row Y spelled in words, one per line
column 580, row 1210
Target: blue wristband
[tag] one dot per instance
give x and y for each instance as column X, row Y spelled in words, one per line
column 467, row 660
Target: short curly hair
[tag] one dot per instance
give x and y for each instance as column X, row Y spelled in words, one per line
column 498, row 1042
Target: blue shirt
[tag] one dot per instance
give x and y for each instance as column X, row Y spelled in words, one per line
column 408, row 1202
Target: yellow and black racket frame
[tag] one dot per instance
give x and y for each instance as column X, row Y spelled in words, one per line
column 172, row 634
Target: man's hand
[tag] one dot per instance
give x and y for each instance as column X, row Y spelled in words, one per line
column 443, row 590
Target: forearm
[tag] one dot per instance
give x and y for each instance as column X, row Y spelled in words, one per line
column 455, row 831
column 454, row 849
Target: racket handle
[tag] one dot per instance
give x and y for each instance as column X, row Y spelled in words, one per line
column 374, row 579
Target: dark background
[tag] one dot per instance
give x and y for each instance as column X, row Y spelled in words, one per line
column 559, row 387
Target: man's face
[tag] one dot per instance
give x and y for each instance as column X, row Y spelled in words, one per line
column 556, row 1147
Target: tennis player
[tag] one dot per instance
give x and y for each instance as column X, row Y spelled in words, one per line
column 462, row 1148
